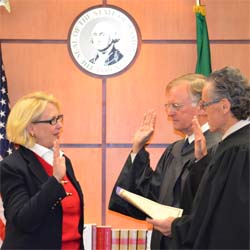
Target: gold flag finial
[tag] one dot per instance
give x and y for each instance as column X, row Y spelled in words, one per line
column 6, row 4
column 200, row 9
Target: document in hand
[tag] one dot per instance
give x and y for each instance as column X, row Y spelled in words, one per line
column 153, row 209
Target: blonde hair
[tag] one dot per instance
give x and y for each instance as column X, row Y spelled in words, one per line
column 196, row 82
column 27, row 110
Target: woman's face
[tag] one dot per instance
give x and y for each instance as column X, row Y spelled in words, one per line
column 46, row 133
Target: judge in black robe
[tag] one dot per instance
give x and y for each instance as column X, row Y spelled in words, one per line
column 165, row 184
column 162, row 185
column 219, row 217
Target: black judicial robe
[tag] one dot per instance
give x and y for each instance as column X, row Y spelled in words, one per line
column 220, row 214
column 164, row 185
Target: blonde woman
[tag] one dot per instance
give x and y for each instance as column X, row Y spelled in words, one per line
column 42, row 199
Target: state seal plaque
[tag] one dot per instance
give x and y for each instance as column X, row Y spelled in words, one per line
column 104, row 41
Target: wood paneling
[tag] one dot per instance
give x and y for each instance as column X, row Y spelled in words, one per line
column 100, row 113
column 143, row 87
column 166, row 19
column 228, row 19
column 48, row 67
column 175, row 19
column 237, row 55
column 41, row 19
column 162, row 19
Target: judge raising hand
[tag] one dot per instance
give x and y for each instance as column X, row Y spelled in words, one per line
column 145, row 131
column 200, row 147
column 59, row 168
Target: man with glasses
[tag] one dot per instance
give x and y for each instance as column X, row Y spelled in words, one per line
column 165, row 184
column 219, row 218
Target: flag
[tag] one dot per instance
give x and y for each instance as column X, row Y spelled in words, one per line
column 203, row 64
column 2, row 223
column 5, row 146
column 6, row 4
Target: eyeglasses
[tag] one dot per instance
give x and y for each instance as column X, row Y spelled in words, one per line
column 174, row 106
column 52, row 121
column 204, row 105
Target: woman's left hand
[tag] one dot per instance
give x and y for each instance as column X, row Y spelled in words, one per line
column 59, row 167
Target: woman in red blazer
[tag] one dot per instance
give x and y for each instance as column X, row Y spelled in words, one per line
column 43, row 201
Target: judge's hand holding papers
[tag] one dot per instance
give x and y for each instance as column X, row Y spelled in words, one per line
column 151, row 208
column 162, row 225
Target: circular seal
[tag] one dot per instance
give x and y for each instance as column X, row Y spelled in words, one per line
column 104, row 41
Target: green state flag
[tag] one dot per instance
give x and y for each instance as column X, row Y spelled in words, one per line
column 203, row 65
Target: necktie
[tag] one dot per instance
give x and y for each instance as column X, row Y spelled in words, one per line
column 185, row 145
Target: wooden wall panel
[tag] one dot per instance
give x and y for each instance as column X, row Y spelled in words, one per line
column 143, row 88
column 237, row 55
column 100, row 113
column 87, row 166
column 163, row 19
column 174, row 19
column 228, row 19
column 48, row 67
column 41, row 19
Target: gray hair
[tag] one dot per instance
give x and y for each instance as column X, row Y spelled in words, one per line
column 230, row 83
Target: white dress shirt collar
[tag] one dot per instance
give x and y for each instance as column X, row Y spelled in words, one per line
column 238, row 125
column 46, row 153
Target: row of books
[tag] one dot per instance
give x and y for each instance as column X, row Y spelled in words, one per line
column 107, row 238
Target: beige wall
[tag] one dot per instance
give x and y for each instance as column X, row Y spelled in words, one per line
column 102, row 115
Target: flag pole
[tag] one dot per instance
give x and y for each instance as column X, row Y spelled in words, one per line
column 197, row 2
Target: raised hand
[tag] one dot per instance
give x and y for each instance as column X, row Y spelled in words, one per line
column 145, row 131
column 59, row 167
column 200, row 147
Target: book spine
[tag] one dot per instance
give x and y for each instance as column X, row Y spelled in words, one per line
column 115, row 244
column 103, row 238
column 149, row 236
column 124, row 239
column 93, row 237
column 87, row 236
column 132, row 239
column 142, row 239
